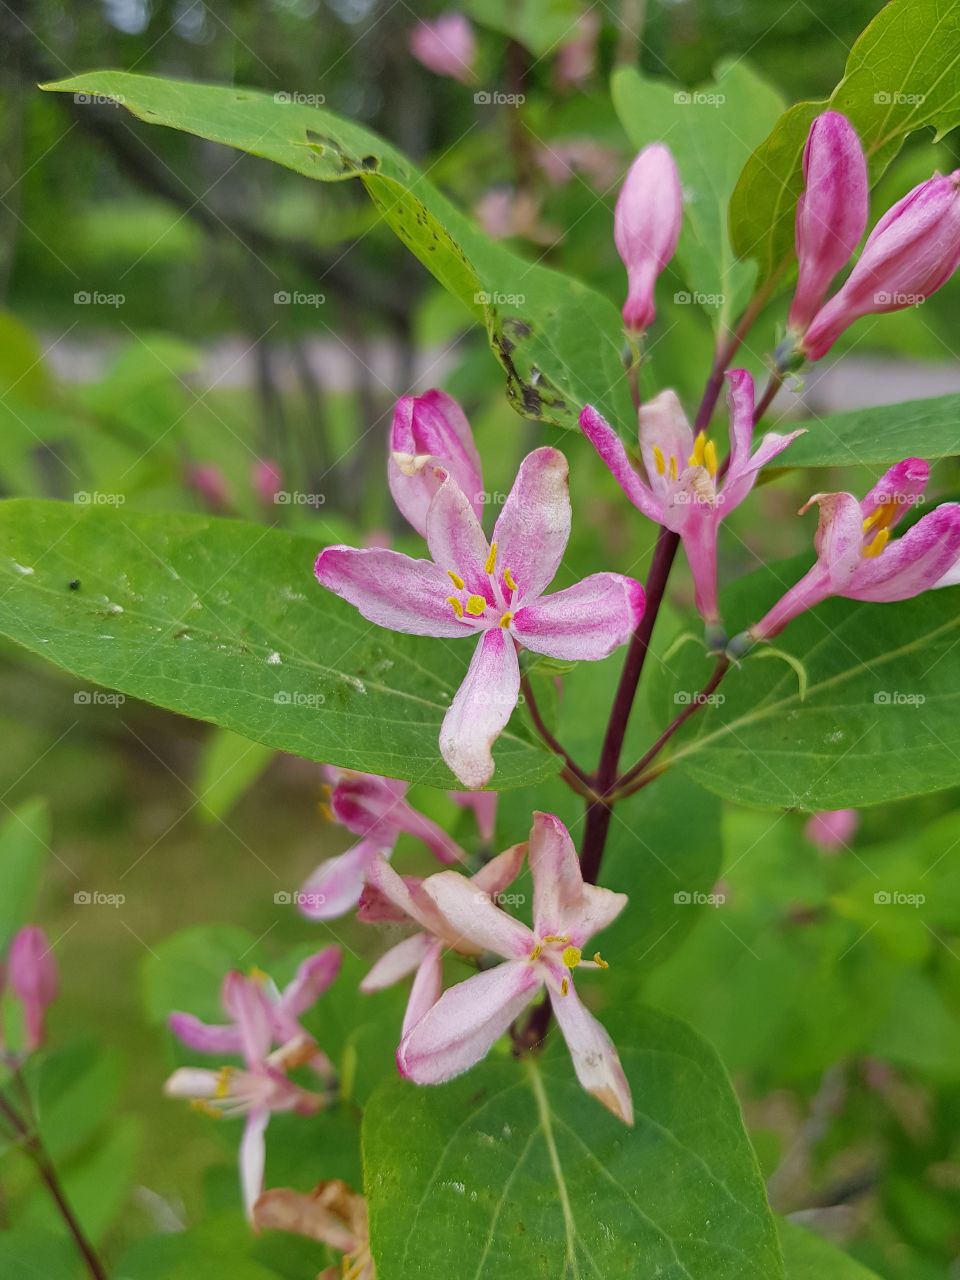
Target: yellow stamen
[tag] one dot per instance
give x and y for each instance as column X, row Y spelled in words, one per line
column 491, row 559
column 222, row 1088
column 873, row 549
column 325, row 810
column 557, row 937
column 565, row 986
column 535, row 953
column 506, row 620
column 881, row 517
column 659, row 460
column 508, row 580
column 673, row 468
column 476, row 606
column 710, row 457
column 599, row 961
column 571, row 957
column 699, row 446
column 204, row 1107
column 455, row 578
column 455, row 605
column 258, row 975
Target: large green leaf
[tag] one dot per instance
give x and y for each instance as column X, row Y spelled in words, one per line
column 513, row 1173
column 223, row 621
column 880, row 435
column 711, row 131
column 810, row 1258
column 559, row 342
column 900, row 76
column 879, row 720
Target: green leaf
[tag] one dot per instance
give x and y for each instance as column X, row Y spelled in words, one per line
column 541, row 26
column 24, row 845
column 513, row 1173
column 229, row 765
column 221, row 1245
column 28, row 1254
column 900, row 77
column 810, row 1258
column 711, row 131
column 224, row 621
column 558, row 341
column 879, row 436
column 879, row 718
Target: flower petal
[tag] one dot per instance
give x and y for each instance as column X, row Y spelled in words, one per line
column 426, row 431
column 914, row 563
column 471, row 914
column 839, row 537
column 563, row 906
column 461, row 1027
column 481, row 708
column 662, row 425
column 193, row 1082
column 390, row 589
column 898, row 490
column 250, row 1007
column 501, row 870
column 397, row 962
column 613, row 453
column 456, row 541
column 365, row 802
column 586, row 621
column 310, row 981
column 252, row 1157
column 203, row 1036
column 335, row 887
column 741, row 480
column 426, row 988
column 532, row 530
column 594, row 1054
column 484, row 806
column 441, row 845
column 740, row 399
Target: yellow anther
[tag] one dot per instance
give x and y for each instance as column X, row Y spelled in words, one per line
column 599, row 961
column 222, row 1087
column 258, row 975
column 571, row 957
column 673, row 468
column 506, row 620
column 881, row 516
column 491, row 559
column 659, row 460
column 508, row 580
column 699, row 447
column 455, row 578
column 874, row 548
column 565, row 986
column 326, row 810
column 710, row 457
column 204, row 1107
column 476, row 606
column 557, row 937
column 455, row 605
column 535, row 953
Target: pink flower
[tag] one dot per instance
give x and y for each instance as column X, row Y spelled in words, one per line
column 389, row 897
column 492, row 592
column 446, row 45
column 857, row 559
column 210, row 483
column 832, row 829
column 467, row 1019
column 577, row 57
column 428, row 432
column 910, row 253
column 267, row 480
column 32, row 974
column 682, row 490
column 375, row 809
column 831, row 213
column 484, row 806
column 646, row 228
column 261, row 1087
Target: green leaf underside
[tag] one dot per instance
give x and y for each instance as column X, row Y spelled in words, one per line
column 513, row 1172
column 900, row 76
column 879, row 436
column 223, row 621
column 879, row 721
column 558, row 341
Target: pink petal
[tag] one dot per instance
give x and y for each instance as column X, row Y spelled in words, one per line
column 335, row 887
column 586, row 621
column 662, row 424
column 390, row 589
column 202, row 1036
column 428, row 431
column 563, row 906
column 901, row 487
column 739, row 482
column 740, row 399
column 250, row 1007
column 445, row 45
column 470, row 914
column 426, row 988
column 456, row 540
column 612, row 452
column 839, row 537
column 914, row 563
column 461, row 1027
column 699, row 534
column 532, row 530
column 193, row 1082
column 252, row 1157
column 484, row 806
column 397, row 962
column 405, row 894
column 310, row 981
column 481, row 709
column 501, row 870
column 441, row 845
column 594, row 1055
column 811, row 590
column 365, row 802
column 831, row 829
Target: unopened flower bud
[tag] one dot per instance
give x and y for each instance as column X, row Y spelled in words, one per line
column 646, row 227
column 34, row 979
column 446, row 45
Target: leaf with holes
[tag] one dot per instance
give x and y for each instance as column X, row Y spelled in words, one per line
column 223, row 621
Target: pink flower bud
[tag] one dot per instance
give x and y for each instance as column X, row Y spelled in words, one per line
column 267, row 480
column 210, row 483
column 831, row 213
column 33, row 977
column 911, row 252
column 446, row 45
column 646, row 227
column 576, row 59
column 832, row 829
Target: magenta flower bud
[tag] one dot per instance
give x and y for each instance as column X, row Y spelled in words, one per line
column 33, row 977
column 831, row 213
column 446, row 46
column 831, row 829
column 267, row 480
column 646, row 227
column 911, row 252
